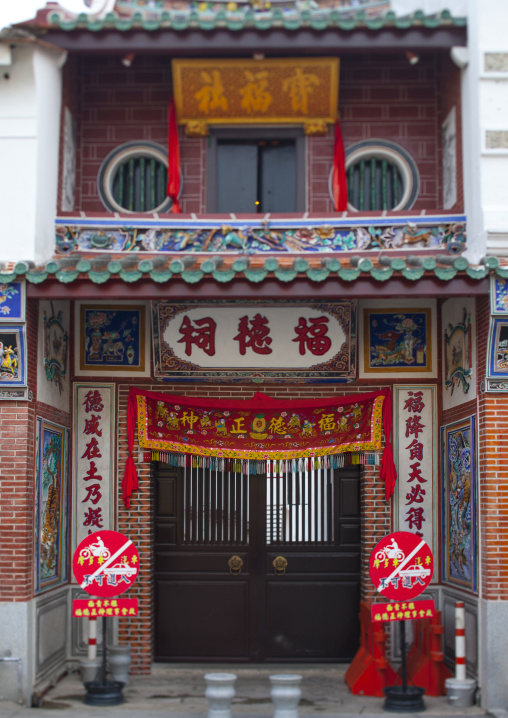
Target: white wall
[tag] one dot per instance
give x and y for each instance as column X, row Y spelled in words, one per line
column 30, row 99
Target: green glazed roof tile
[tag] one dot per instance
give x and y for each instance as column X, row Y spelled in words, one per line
column 99, row 277
column 67, row 277
column 223, row 277
column 34, row 277
column 83, row 266
column 413, row 273
column 130, row 277
column 381, row 275
column 192, row 277
column 256, row 275
column 161, row 277
column 318, row 275
column 286, row 275
column 349, row 275
column 445, row 272
column 477, row 272
column 8, row 278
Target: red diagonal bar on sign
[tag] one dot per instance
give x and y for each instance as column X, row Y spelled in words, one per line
column 106, row 563
column 401, row 566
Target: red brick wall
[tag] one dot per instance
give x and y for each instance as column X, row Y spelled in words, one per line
column 492, row 476
column 17, row 441
column 17, row 475
column 385, row 98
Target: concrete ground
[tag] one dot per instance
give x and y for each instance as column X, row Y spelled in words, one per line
column 177, row 691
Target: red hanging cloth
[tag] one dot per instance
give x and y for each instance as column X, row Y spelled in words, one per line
column 173, row 159
column 371, row 411
column 339, row 182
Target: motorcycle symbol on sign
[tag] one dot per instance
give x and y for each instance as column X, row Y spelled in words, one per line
column 390, row 551
column 95, row 549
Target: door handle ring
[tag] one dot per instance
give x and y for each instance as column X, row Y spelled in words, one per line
column 280, row 565
column 235, row 564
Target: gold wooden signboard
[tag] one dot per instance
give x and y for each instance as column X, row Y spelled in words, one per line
column 297, row 91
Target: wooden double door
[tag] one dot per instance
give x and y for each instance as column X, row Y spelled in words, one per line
column 256, row 568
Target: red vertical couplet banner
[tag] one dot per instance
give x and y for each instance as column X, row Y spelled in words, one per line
column 339, row 182
column 173, row 159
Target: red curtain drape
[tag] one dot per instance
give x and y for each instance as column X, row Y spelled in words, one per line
column 339, row 181
column 174, row 179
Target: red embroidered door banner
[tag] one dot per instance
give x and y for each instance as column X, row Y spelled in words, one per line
column 260, row 428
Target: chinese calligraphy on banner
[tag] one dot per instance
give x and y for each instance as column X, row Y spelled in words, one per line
column 283, row 340
column 273, row 90
column 415, row 452
column 93, row 446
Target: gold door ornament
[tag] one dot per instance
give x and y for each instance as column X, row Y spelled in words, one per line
column 235, row 564
column 272, row 91
column 279, row 565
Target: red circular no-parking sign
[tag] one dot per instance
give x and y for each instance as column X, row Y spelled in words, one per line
column 105, row 564
column 401, row 566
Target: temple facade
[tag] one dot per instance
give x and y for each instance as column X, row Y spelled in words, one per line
column 254, row 316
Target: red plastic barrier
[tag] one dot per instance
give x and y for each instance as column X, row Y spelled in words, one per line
column 425, row 660
column 370, row 671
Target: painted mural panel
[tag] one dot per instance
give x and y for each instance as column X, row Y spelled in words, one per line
column 398, row 338
column 51, row 504
column 459, row 503
column 12, row 302
column 459, row 351
column 93, row 459
column 12, row 355
column 112, row 339
column 53, row 386
column 415, row 448
column 498, row 295
column 497, row 368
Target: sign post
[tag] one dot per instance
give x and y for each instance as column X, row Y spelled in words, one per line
column 105, row 564
column 401, row 568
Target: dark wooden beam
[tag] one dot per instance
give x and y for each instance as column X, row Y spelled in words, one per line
column 332, row 288
column 276, row 41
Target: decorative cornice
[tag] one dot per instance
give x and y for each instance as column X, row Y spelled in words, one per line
column 301, row 235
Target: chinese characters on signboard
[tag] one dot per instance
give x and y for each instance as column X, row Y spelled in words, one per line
column 416, row 459
column 271, row 90
column 93, row 475
column 95, row 607
column 402, row 611
column 315, row 340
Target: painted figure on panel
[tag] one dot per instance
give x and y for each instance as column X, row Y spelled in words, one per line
column 458, row 351
column 50, row 504
column 111, row 337
column 502, row 349
column 397, row 340
column 459, row 490
column 8, row 293
column 8, row 356
column 55, row 348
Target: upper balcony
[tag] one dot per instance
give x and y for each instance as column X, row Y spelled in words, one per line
column 260, row 186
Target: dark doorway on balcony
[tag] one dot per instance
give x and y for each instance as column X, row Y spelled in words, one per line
column 256, row 171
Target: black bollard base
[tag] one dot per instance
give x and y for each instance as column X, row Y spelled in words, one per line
column 104, row 694
column 400, row 699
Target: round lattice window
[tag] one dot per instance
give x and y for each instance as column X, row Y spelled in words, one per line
column 133, row 178
column 381, row 175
